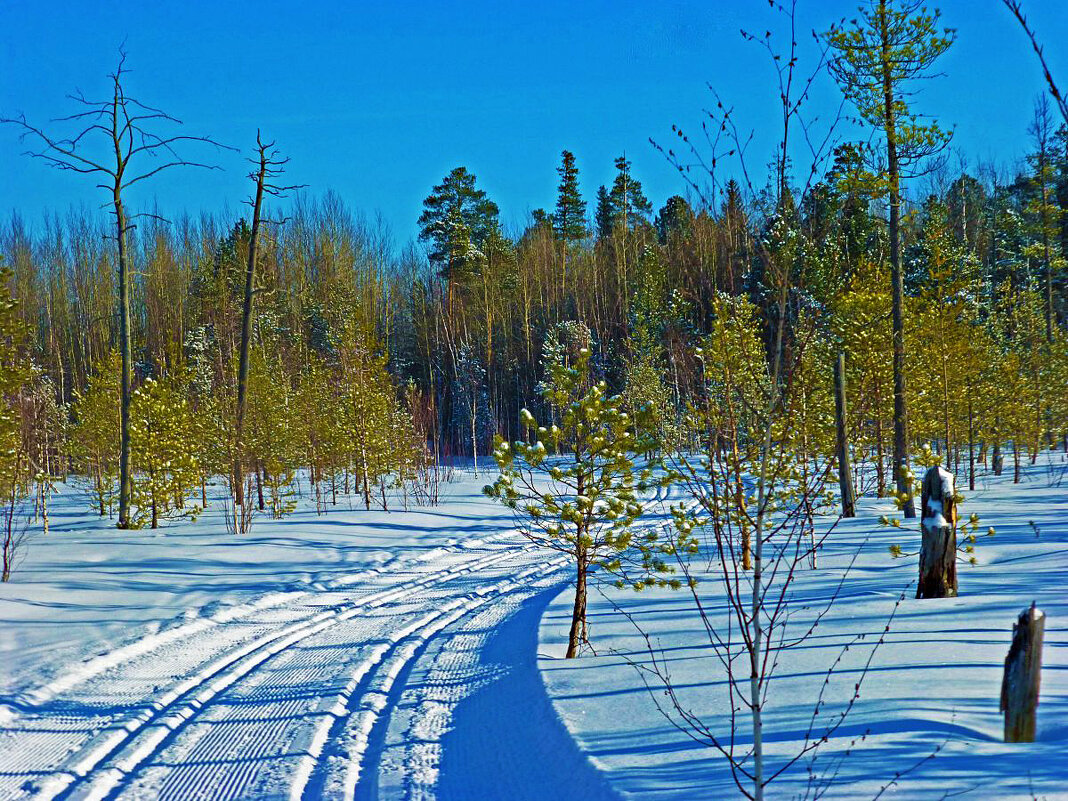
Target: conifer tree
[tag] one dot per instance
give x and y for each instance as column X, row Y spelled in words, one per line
column 675, row 218
column 890, row 44
column 94, row 437
column 630, row 207
column 161, row 435
column 272, row 444
column 569, row 220
column 457, row 220
column 584, row 504
column 646, row 393
column 736, row 383
column 861, row 326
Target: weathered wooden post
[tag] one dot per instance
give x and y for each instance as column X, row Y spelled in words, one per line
column 845, row 471
column 1023, row 669
column 938, row 551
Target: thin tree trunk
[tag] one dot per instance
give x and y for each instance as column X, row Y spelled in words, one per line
column 901, row 454
column 971, row 446
column 246, row 331
column 845, row 475
column 578, row 612
column 125, row 349
column 259, row 491
column 880, row 457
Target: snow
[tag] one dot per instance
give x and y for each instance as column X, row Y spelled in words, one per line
column 276, row 664
column 417, row 654
column 936, row 519
column 933, row 686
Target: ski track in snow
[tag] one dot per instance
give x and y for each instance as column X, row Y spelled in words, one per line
column 294, row 695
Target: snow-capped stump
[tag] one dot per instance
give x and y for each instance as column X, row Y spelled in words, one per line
column 938, row 551
column 1023, row 669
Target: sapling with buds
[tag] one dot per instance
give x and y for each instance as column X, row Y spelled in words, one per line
column 584, row 503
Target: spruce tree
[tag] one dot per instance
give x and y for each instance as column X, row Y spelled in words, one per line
column 630, row 207
column 605, row 215
column 569, row 221
column 675, row 218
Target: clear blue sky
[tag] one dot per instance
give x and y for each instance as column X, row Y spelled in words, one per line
column 377, row 101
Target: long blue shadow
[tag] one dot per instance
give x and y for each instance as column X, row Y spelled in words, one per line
column 507, row 741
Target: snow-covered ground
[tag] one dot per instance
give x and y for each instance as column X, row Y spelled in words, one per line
column 933, row 686
column 397, row 655
column 357, row 654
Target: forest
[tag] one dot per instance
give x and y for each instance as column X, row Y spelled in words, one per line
column 302, row 341
column 767, row 394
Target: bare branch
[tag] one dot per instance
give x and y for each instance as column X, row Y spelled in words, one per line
column 1017, row 11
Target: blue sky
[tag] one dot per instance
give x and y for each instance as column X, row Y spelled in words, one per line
column 377, row 101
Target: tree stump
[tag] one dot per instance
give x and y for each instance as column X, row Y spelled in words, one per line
column 938, row 551
column 1023, row 668
column 845, row 469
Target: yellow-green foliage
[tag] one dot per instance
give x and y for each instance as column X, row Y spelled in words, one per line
column 272, row 441
column 95, row 434
column 584, row 503
column 15, row 472
column 163, row 449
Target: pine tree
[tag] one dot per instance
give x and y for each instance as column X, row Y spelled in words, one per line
column 457, row 220
column 94, row 438
column 163, row 452
column 272, row 445
column 862, row 329
column 736, row 385
column 584, row 504
column 889, row 44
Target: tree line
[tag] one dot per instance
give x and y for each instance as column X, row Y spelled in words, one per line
column 154, row 356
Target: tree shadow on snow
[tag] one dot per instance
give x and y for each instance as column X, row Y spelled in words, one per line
column 506, row 741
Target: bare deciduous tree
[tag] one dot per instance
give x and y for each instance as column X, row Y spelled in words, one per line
column 268, row 166
column 128, row 152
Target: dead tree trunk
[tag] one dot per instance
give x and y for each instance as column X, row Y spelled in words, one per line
column 938, row 551
column 1023, row 669
column 267, row 167
column 845, row 474
column 125, row 349
column 260, row 176
column 118, row 124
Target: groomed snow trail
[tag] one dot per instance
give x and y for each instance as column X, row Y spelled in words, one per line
column 346, row 691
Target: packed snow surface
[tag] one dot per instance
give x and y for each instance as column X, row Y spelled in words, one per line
column 358, row 654
column 396, row 655
column 928, row 706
